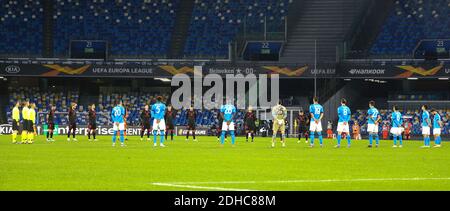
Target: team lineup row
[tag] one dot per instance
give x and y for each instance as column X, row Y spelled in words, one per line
column 158, row 120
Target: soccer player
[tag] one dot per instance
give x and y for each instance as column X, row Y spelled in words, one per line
column 125, row 117
column 227, row 112
column 344, row 115
column 396, row 129
column 169, row 118
column 25, row 122
column 279, row 114
column 250, row 126
column 158, row 112
column 117, row 117
column 92, row 123
column 374, row 119
column 51, row 123
column 72, row 121
column 426, row 124
column 145, row 122
column 219, row 126
column 356, row 131
column 437, row 125
column 32, row 123
column 15, row 122
column 316, row 111
column 191, row 123
column 302, row 121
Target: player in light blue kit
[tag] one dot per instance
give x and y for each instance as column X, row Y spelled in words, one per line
column 227, row 112
column 343, row 127
column 117, row 115
column 437, row 125
column 316, row 111
column 397, row 129
column 374, row 119
column 426, row 124
column 158, row 112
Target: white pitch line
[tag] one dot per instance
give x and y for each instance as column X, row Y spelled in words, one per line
column 304, row 181
column 199, row 187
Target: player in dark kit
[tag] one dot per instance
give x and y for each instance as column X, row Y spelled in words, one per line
column 219, row 126
column 302, row 121
column 191, row 116
column 145, row 122
column 170, row 126
column 92, row 126
column 51, row 123
column 72, row 122
column 250, row 126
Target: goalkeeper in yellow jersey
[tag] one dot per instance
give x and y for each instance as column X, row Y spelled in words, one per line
column 25, row 122
column 15, row 122
column 279, row 114
column 32, row 123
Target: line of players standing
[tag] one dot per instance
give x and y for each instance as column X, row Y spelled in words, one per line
column 373, row 121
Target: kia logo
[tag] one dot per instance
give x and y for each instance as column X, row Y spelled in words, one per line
column 12, row 69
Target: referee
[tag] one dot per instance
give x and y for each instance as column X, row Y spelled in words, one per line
column 15, row 122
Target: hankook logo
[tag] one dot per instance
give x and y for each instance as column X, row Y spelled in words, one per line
column 367, row 71
column 12, row 69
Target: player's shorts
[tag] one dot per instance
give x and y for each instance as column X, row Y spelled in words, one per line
column 92, row 126
column 302, row 129
column 191, row 125
column 160, row 126
column 372, row 128
column 425, row 130
column 437, row 131
column 120, row 127
column 343, row 128
column 72, row 125
column 15, row 127
column 31, row 126
column 170, row 126
column 146, row 126
column 396, row 131
column 315, row 127
column 50, row 126
column 226, row 127
column 279, row 125
column 250, row 126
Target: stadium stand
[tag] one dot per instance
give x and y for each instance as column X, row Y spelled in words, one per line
column 138, row 28
column 410, row 22
column 212, row 30
column 15, row 40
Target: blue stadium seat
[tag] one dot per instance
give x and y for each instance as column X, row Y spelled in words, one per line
column 132, row 27
column 410, row 22
column 215, row 23
column 21, row 27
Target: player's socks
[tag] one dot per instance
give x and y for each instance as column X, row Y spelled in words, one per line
column 162, row 136
column 114, row 138
column 122, row 138
column 339, row 140
column 400, row 138
column 320, row 138
column 253, row 137
column 155, row 134
column 93, row 135
column 222, row 138
column 14, row 136
column 370, row 139
column 395, row 140
column 233, row 137
column 377, row 139
column 23, row 136
column 349, row 139
column 89, row 135
column 311, row 136
column 171, row 135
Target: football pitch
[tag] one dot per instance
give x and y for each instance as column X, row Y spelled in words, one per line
column 204, row 165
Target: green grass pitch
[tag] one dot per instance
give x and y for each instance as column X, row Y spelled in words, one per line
column 204, row 165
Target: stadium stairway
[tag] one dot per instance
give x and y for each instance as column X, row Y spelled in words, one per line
column 181, row 29
column 326, row 21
